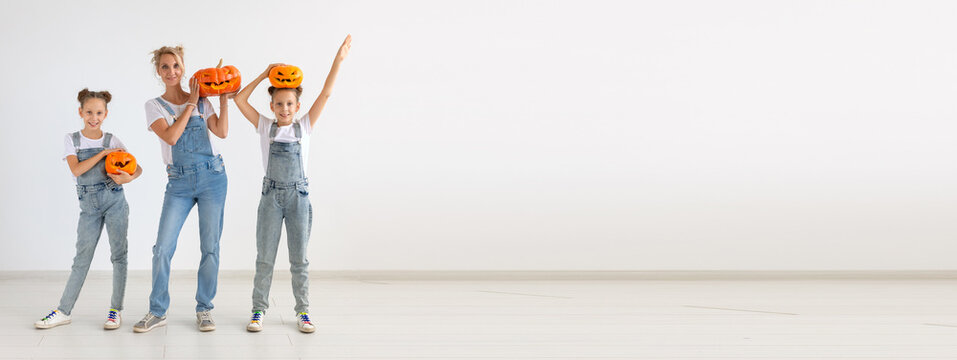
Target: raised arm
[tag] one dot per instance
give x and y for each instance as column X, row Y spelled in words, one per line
column 219, row 124
column 242, row 98
column 171, row 133
column 320, row 103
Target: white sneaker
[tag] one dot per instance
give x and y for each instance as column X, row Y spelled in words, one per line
column 256, row 322
column 305, row 325
column 148, row 323
column 113, row 320
column 205, row 321
column 56, row 318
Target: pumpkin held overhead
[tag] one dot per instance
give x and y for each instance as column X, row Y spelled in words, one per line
column 286, row 76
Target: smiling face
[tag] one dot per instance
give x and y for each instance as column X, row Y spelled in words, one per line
column 93, row 111
column 285, row 105
column 170, row 69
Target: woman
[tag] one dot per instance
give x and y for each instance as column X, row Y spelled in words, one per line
column 183, row 122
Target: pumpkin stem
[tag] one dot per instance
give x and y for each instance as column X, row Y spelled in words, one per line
column 220, row 63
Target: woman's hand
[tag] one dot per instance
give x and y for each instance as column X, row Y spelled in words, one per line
column 193, row 92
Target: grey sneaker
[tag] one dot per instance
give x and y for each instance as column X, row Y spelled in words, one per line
column 205, row 321
column 149, row 322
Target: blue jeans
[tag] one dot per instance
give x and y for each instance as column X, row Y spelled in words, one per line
column 278, row 202
column 99, row 205
column 204, row 185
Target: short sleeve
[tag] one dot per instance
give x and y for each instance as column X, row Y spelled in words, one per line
column 68, row 148
column 264, row 125
column 208, row 108
column 305, row 124
column 116, row 143
column 153, row 113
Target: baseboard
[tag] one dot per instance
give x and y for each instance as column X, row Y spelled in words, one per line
column 666, row 275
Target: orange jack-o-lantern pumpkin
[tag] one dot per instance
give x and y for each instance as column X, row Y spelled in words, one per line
column 286, row 76
column 218, row 80
column 120, row 161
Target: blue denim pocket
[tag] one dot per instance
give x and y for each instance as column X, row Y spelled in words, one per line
column 218, row 168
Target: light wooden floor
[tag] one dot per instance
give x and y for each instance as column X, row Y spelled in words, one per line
column 389, row 319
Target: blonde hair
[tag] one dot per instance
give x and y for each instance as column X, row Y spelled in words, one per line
column 86, row 94
column 176, row 51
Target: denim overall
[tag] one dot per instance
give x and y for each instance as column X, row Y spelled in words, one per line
column 285, row 195
column 196, row 177
column 101, row 203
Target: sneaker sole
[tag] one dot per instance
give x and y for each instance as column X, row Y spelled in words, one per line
column 254, row 329
column 52, row 325
column 143, row 330
column 308, row 331
column 111, row 327
column 207, row 328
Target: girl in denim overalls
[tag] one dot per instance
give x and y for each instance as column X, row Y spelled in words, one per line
column 285, row 192
column 102, row 203
column 196, row 176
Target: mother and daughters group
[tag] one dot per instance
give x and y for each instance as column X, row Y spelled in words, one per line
column 184, row 123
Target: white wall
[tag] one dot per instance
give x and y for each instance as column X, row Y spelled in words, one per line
column 530, row 135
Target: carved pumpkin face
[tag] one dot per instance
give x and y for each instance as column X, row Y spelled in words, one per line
column 285, row 76
column 120, row 161
column 218, row 80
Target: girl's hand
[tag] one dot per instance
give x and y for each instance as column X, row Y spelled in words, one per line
column 193, row 91
column 107, row 151
column 121, row 178
column 344, row 49
column 224, row 98
column 269, row 67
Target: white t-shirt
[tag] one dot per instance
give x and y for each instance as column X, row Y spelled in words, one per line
column 86, row 143
column 286, row 134
column 155, row 111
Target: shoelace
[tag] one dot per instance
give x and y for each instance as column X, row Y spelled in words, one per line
column 205, row 316
column 257, row 316
column 112, row 315
column 52, row 314
column 149, row 317
column 304, row 318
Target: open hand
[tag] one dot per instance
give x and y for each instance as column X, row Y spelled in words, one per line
column 344, row 49
column 121, row 178
column 193, row 91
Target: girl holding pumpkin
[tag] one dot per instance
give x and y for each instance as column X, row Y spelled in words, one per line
column 102, row 203
column 183, row 122
column 284, row 142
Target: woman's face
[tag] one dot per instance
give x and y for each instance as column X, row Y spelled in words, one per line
column 170, row 69
column 93, row 113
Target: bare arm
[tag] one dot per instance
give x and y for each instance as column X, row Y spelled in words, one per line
column 78, row 167
column 320, row 103
column 242, row 98
column 219, row 124
column 171, row 133
column 123, row 177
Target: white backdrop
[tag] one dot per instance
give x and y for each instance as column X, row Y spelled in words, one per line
column 525, row 135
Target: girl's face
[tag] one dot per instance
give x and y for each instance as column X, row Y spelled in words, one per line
column 93, row 111
column 285, row 105
column 170, row 69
